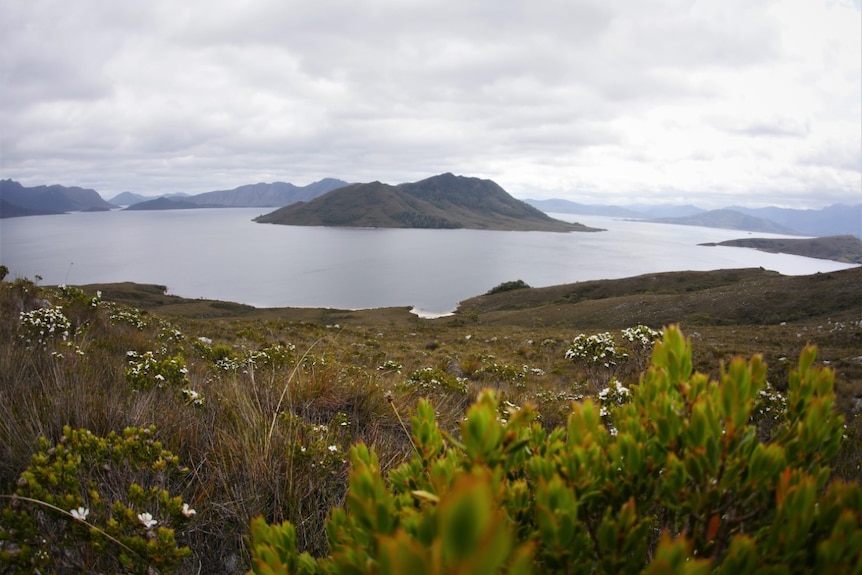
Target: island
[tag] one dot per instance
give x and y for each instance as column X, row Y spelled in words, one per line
column 446, row 201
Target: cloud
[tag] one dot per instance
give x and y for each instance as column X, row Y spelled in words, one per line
column 713, row 102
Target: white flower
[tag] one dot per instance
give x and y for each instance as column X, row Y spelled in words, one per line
column 333, row 448
column 147, row 520
column 80, row 513
column 188, row 511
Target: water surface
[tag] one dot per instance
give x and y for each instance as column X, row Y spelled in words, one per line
column 222, row 254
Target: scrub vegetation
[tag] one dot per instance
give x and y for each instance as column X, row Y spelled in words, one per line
column 141, row 432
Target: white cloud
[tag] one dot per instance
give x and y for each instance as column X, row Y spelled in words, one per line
column 712, row 103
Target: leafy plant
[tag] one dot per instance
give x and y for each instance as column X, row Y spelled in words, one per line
column 96, row 504
column 682, row 484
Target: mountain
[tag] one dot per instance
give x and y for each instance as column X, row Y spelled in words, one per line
column 568, row 207
column 728, row 219
column 43, row 200
column 665, row 210
column 444, row 201
column 847, row 248
column 260, row 195
column 264, row 195
column 630, row 211
column 164, row 203
column 837, row 219
column 128, row 199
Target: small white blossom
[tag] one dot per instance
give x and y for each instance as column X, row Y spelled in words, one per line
column 333, row 448
column 147, row 520
column 80, row 513
column 188, row 511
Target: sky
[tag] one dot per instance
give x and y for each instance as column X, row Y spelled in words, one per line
column 710, row 102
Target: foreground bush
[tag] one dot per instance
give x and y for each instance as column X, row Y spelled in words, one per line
column 674, row 480
column 96, row 504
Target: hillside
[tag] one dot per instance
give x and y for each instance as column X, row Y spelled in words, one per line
column 19, row 200
column 728, row 219
column 444, row 201
column 847, row 249
column 723, row 297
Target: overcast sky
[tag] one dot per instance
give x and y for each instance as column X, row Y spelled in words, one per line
column 713, row 102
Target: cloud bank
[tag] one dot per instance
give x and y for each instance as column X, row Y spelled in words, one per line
column 712, row 103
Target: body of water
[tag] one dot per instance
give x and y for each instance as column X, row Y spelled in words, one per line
column 222, row 254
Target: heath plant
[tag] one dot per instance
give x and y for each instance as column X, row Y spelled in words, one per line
column 94, row 504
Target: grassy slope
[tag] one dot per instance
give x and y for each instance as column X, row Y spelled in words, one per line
column 734, row 312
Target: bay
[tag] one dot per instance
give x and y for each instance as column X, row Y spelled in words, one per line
column 221, row 254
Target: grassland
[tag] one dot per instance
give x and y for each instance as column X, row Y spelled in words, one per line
column 284, row 392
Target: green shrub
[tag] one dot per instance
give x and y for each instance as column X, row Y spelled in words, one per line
column 674, row 479
column 96, row 504
column 507, row 286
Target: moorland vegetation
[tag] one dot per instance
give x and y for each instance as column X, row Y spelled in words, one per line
column 551, row 430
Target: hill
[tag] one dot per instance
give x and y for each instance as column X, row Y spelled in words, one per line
column 722, row 297
column 444, row 201
column 19, row 200
column 847, row 249
column 164, row 203
column 728, row 219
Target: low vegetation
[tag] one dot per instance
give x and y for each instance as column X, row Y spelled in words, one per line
column 144, row 432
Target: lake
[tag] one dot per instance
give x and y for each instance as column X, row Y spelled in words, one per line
column 221, row 254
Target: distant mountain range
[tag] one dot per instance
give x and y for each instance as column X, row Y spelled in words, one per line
column 17, row 200
column 728, row 219
column 261, row 195
column 446, row 201
column 837, row 219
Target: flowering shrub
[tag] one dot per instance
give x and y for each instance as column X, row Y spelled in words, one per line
column 44, row 325
column 598, row 354
column 96, row 505
column 390, row 366
column 614, row 395
column 170, row 338
column 130, row 317
column 147, row 371
column 602, row 358
column 431, row 379
column 514, row 374
column 273, row 356
column 72, row 295
column 639, row 341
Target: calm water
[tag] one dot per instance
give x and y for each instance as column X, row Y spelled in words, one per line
column 222, row 254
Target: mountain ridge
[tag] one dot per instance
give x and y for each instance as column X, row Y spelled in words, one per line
column 18, row 200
